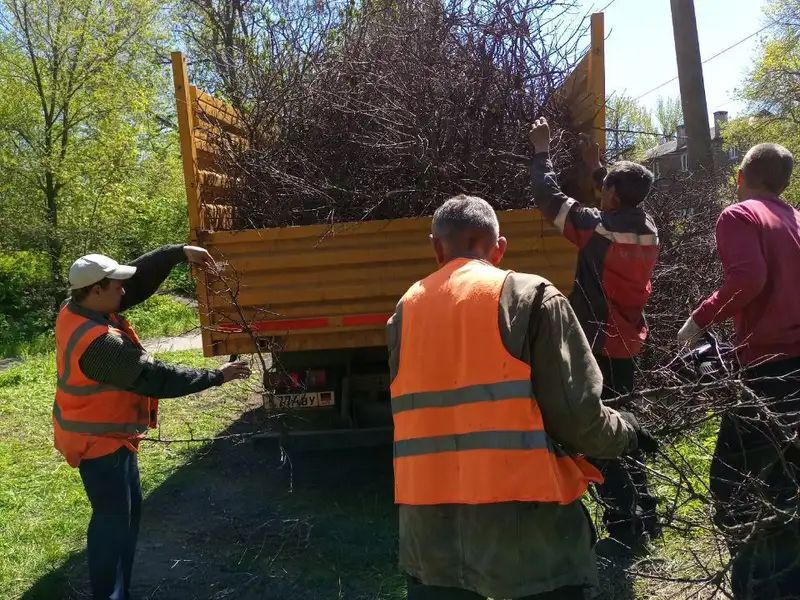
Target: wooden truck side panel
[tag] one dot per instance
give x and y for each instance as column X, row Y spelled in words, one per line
column 323, row 287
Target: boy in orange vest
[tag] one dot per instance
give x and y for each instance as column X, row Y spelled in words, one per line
column 107, row 397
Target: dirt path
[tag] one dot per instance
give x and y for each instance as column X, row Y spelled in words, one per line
column 7, row 363
column 175, row 343
column 186, row 341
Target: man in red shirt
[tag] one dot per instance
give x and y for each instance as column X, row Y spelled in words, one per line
column 756, row 463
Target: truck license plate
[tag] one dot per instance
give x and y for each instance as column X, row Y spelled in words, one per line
column 304, row 400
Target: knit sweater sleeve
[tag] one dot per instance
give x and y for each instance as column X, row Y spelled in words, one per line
column 116, row 361
column 151, row 271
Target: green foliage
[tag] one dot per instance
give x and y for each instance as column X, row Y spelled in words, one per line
column 87, row 164
column 633, row 128
column 746, row 132
column 625, row 120
column 160, row 316
column 668, row 115
column 181, row 282
column 772, row 90
column 24, row 302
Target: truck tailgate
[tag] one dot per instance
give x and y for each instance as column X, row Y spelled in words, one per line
column 334, row 286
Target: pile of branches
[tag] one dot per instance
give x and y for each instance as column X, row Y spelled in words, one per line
column 374, row 109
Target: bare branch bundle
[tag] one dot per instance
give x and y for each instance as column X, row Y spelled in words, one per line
column 379, row 110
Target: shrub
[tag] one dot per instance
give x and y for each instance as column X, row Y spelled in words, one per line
column 25, row 304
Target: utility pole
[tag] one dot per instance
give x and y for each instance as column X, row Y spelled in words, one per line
column 693, row 90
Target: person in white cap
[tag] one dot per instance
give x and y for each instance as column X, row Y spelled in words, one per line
column 107, row 398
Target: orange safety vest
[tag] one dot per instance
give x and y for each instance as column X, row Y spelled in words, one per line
column 467, row 428
column 92, row 419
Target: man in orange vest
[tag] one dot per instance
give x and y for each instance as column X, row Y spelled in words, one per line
column 495, row 398
column 107, row 397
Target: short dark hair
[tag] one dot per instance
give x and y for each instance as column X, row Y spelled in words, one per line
column 631, row 181
column 80, row 294
column 768, row 166
column 464, row 214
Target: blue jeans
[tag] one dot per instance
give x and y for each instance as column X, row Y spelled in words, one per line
column 115, row 493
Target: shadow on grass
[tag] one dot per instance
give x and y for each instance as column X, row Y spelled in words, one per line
column 233, row 524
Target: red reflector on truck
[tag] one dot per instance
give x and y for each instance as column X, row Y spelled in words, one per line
column 278, row 325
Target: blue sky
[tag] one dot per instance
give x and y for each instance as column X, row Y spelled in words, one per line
column 640, row 50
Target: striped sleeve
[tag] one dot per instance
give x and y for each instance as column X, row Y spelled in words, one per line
column 116, row 361
column 113, row 360
column 576, row 221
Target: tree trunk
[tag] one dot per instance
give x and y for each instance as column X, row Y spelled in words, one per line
column 58, row 286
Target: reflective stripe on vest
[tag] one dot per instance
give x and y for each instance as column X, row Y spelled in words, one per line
column 93, row 428
column 474, row 393
column 63, row 378
column 477, row 440
column 468, row 429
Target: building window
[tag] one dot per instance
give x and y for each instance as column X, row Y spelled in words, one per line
column 733, row 153
column 684, row 162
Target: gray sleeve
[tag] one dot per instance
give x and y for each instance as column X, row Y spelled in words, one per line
column 576, row 221
column 393, row 329
column 114, row 360
column 567, row 383
column 151, row 271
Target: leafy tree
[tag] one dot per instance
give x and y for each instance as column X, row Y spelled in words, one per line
column 86, row 164
column 772, row 89
column 629, row 129
column 668, row 115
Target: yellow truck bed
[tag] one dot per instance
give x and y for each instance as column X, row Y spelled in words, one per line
column 322, row 287
column 325, row 287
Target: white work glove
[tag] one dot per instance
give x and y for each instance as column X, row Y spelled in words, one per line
column 690, row 332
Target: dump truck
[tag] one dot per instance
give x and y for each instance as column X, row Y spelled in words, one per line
column 317, row 297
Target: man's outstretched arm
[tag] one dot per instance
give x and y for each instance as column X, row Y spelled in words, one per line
column 116, row 361
column 154, row 267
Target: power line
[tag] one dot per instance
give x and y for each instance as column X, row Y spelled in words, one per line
column 710, row 58
column 615, row 130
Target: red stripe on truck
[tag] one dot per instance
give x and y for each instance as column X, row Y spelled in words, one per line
column 279, row 325
column 310, row 323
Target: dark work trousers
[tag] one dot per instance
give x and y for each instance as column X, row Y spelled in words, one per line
column 755, row 467
column 115, row 493
column 419, row 591
column 630, row 508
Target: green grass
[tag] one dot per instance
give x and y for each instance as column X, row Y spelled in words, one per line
column 347, row 532
column 160, row 316
column 43, row 509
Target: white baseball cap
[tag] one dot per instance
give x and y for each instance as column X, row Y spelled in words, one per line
column 90, row 269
